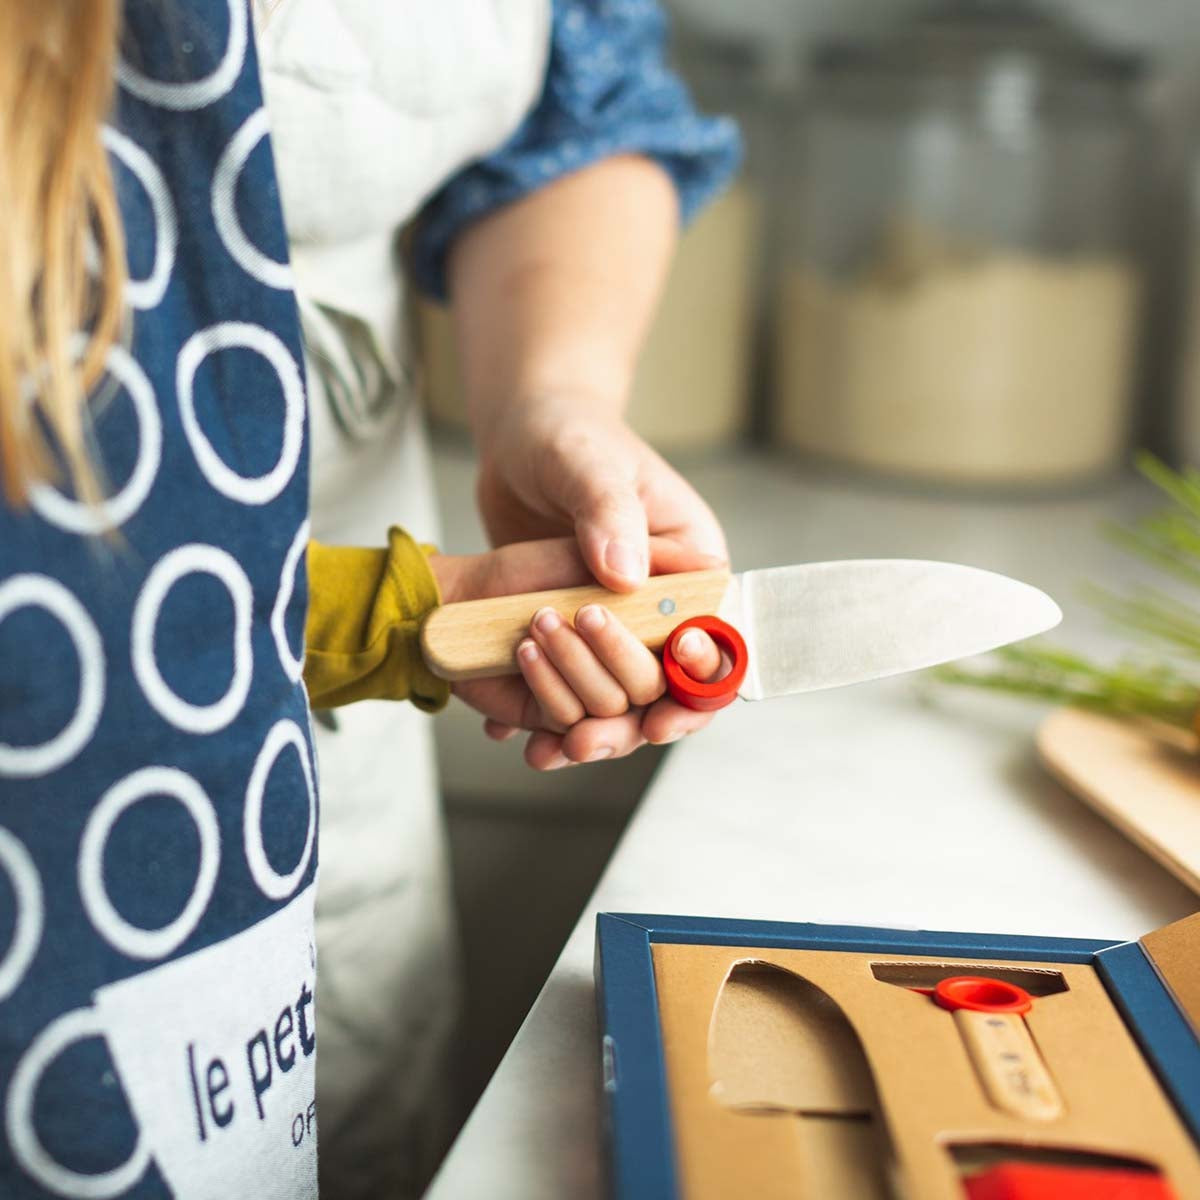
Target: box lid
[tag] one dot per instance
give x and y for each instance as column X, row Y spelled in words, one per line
column 1175, row 952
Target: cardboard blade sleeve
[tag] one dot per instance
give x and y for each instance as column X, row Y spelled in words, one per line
column 824, row 625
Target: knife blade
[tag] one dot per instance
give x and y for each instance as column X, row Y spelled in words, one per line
column 803, row 628
column 825, row 625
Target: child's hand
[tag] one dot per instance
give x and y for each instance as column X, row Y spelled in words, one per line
column 588, row 692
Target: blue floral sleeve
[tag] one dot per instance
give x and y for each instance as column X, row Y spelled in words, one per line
column 607, row 91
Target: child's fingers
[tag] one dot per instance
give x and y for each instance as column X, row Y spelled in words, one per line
column 594, row 739
column 506, row 701
column 545, row 700
column 559, row 703
column 543, row 751
column 667, row 721
column 600, row 694
column 498, row 731
column 697, row 654
column 634, row 667
column 600, row 738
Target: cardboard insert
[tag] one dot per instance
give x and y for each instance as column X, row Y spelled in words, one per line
column 821, row 1073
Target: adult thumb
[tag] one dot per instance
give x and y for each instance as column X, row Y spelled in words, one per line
column 610, row 526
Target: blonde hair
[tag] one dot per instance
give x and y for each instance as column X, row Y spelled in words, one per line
column 56, row 201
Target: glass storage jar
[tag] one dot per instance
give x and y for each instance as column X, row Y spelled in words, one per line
column 959, row 296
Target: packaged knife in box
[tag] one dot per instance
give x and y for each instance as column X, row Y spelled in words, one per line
column 795, row 1062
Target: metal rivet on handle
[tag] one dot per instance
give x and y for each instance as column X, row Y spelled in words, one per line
column 666, row 607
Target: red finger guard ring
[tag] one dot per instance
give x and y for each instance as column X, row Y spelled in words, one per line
column 717, row 693
column 980, row 994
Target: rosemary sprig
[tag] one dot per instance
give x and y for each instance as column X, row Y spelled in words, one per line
column 1181, row 486
column 1152, row 613
column 1170, row 541
column 1166, row 541
column 1128, row 689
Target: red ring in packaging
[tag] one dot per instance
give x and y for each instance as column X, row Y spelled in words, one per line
column 979, row 994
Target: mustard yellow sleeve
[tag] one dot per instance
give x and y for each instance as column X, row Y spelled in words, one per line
column 365, row 608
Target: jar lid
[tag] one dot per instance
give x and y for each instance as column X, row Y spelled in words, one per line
column 960, row 35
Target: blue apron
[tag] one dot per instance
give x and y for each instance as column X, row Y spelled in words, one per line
column 158, row 806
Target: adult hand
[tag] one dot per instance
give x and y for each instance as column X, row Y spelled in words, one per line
column 562, row 465
column 553, row 295
column 587, row 693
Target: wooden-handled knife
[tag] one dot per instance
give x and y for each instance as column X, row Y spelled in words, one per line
column 783, row 629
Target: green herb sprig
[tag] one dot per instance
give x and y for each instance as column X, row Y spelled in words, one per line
column 1170, row 541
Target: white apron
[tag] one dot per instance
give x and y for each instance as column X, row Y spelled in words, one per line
column 374, row 105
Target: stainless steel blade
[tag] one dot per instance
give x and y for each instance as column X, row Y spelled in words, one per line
column 823, row 625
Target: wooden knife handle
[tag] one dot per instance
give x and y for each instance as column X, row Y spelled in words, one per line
column 1012, row 1071
column 475, row 639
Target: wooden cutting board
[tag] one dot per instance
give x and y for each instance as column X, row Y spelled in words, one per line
column 1145, row 780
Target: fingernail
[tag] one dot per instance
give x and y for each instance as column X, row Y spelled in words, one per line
column 623, row 559
column 671, row 737
column 557, row 762
column 547, row 620
column 600, row 753
column 689, row 643
column 527, row 651
column 590, row 618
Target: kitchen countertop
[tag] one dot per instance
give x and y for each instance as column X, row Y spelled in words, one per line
column 894, row 803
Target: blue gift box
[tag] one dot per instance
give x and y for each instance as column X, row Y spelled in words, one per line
column 1151, row 985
